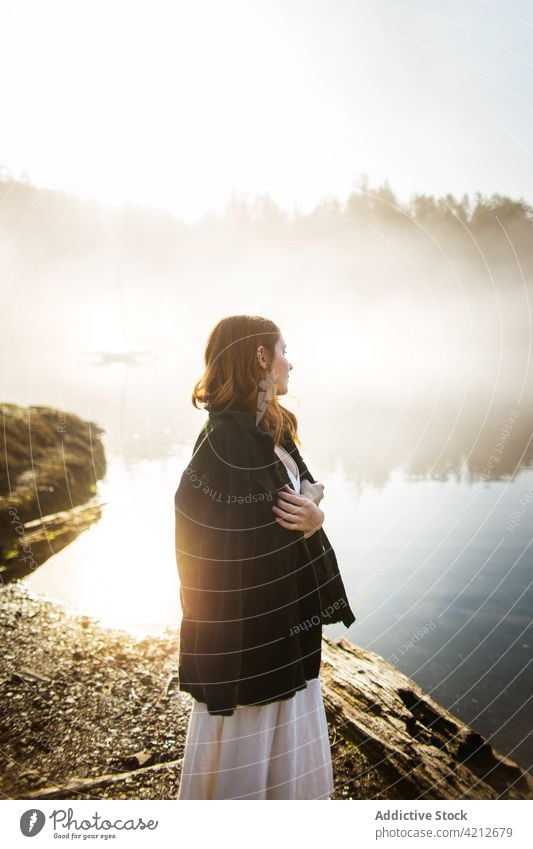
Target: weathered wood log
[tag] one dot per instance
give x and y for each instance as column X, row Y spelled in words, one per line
column 420, row 749
column 77, row 785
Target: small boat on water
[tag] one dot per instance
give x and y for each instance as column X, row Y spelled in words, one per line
column 133, row 356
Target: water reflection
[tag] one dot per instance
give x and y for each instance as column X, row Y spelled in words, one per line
column 122, row 570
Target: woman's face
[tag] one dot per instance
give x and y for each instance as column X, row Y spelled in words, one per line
column 280, row 365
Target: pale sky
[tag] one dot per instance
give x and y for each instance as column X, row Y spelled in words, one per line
column 177, row 104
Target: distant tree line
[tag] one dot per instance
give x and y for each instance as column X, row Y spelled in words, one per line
column 490, row 237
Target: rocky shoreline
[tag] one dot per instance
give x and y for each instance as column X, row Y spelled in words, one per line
column 50, row 463
column 92, row 713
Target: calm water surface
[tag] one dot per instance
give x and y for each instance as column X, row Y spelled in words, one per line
column 439, row 583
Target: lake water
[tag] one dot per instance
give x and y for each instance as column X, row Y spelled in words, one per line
column 438, row 578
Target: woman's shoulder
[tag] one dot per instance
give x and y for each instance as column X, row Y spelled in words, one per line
column 221, row 462
column 236, row 428
column 224, row 443
column 223, row 430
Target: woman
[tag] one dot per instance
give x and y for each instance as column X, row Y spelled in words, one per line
column 258, row 578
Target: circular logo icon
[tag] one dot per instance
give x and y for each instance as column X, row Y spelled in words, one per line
column 31, row 822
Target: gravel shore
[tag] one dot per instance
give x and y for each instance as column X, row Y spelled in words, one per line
column 81, row 700
column 91, row 706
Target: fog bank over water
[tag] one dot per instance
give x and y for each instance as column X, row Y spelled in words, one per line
column 408, row 327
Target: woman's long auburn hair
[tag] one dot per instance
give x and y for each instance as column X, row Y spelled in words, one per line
column 233, row 378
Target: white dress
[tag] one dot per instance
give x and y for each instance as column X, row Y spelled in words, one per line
column 275, row 751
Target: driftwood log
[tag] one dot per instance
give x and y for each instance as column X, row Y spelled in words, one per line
column 76, row 787
column 416, row 748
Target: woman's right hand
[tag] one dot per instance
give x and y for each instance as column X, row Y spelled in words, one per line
column 296, row 512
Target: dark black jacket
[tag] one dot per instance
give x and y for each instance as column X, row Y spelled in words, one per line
column 254, row 595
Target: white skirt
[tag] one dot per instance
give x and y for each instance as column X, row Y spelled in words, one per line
column 274, row 751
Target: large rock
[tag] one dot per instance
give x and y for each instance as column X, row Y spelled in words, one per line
column 50, row 462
